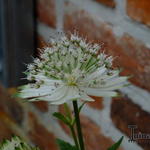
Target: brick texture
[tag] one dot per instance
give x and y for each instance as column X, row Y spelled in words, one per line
column 16, row 120
column 42, row 106
column 6, row 132
column 122, row 48
column 109, row 3
column 139, row 10
column 124, row 112
column 40, row 135
column 97, row 104
column 46, row 12
column 131, row 54
column 94, row 138
column 10, row 107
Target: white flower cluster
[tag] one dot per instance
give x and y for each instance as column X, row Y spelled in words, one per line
column 71, row 69
column 16, row 144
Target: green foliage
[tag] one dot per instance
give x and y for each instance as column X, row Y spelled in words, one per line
column 81, row 106
column 61, row 117
column 16, row 144
column 116, row 145
column 65, row 146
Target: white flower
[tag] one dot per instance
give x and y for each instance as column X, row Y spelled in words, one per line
column 16, row 144
column 71, row 69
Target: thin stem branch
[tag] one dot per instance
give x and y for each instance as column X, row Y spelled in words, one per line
column 74, row 137
column 67, row 110
column 71, row 126
column 78, row 124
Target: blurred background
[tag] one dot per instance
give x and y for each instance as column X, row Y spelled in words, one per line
column 122, row 26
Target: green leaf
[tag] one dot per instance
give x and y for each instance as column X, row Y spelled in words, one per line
column 73, row 121
column 65, row 145
column 68, row 111
column 61, row 117
column 16, row 95
column 116, row 145
column 81, row 106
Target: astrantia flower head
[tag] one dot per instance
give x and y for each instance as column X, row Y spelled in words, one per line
column 16, row 144
column 71, row 69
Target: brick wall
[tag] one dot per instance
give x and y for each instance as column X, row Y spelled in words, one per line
column 123, row 28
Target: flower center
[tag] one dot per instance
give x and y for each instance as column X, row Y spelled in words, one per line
column 71, row 81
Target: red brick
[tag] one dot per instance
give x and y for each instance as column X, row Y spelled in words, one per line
column 5, row 130
column 42, row 106
column 93, row 137
column 41, row 42
column 132, row 55
column 110, row 3
column 8, row 127
column 97, row 104
column 139, row 10
column 46, row 12
column 10, row 106
column 40, row 135
column 124, row 112
column 40, row 45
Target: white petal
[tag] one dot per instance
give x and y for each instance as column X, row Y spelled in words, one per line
column 111, row 88
column 47, row 80
column 115, row 81
column 85, row 97
column 115, row 73
column 59, row 93
column 29, row 92
column 96, row 74
column 72, row 94
column 97, row 92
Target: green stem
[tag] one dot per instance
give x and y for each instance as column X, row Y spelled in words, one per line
column 78, row 124
column 67, row 110
column 74, row 137
column 71, row 126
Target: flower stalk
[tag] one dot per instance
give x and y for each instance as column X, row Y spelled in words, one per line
column 78, row 125
column 71, row 125
column 75, row 137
